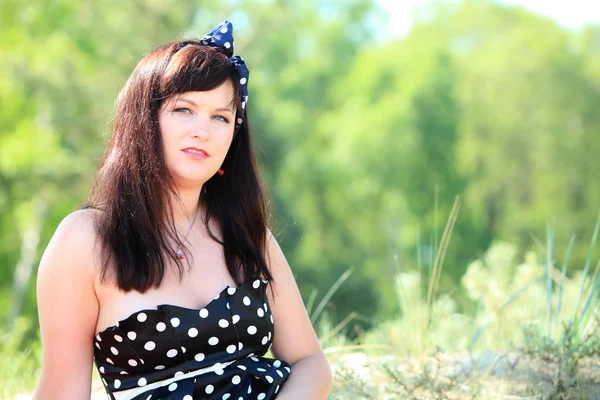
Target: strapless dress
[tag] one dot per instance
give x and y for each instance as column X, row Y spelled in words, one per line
column 178, row 353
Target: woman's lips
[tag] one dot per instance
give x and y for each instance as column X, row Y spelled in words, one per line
column 195, row 153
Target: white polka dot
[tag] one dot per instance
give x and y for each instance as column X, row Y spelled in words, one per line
column 241, row 367
column 223, row 323
column 231, row 291
column 277, row 364
column 243, row 81
column 178, row 373
column 254, row 359
column 117, row 383
column 272, row 319
column 251, row 329
column 98, row 338
column 108, row 360
column 261, row 369
column 236, row 379
column 279, row 373
column 142, row 317
column 98, row 346
column 269, row 335
column 269, row 379
column 261, row 396
column 287, row 369
column 161, row 326
column 249, row 389
column 150, row 346
column 199, row 357
column 171, row 353
column 228, row 306
column 277, row 389
column 224, row 30
column 101, row 370
column 188, row 397
column 243, row 106
column 203, row 313
column 172, row 387
column 147, row 398
column 175, row 322
column 132, row 362
column 118, row 338
column 123, row 373
column 217, row 296
column 260, row 312
column 213, row 341
column 231, row 348
column 183, row 349
column 114, row 351
column 256, row 284
column 219, row 371
column 246, row 300
column 240, row 346
column 209, row 389
column 265, row 307
column 159, row 367
column 225, row 396
column 193, row 332
column 227, row 45
column 264, row 340
column 142, row 382
column 131, row 335
column 239, row 121
column 235, row 319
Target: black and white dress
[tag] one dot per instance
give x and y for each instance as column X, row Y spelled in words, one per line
column 178, row 353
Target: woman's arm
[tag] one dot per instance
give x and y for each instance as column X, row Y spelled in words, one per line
column 294, row 339
column 68, row 310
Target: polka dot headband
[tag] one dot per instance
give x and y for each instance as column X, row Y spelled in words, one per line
column 221, row 37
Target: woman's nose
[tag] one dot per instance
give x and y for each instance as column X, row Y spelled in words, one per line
column 201, row 128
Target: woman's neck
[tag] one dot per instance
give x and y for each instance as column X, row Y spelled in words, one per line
column 186, row 206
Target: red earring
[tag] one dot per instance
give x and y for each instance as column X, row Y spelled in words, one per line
column 220, row 171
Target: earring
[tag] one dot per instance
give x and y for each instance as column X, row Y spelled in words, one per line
column 220, row 171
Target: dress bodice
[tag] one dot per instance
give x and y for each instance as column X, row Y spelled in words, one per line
column 178, row 353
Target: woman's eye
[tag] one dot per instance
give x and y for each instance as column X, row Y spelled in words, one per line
column 184, row 110
column 222, row 118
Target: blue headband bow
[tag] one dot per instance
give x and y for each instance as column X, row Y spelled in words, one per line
column 221, row 37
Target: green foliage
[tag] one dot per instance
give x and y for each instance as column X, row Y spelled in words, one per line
column 363, row 144
column 19, row 366
column 564, row 353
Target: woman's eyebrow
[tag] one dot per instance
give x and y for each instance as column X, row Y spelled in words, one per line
column 229, row 109
column 187, row 101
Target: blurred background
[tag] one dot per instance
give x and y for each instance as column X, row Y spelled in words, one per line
column 373, row 119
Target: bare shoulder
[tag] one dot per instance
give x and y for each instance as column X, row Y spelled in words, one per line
column 75, row 237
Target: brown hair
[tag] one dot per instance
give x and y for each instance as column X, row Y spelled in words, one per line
column 133, row 186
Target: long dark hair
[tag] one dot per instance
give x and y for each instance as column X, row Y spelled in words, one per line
column 134, row 189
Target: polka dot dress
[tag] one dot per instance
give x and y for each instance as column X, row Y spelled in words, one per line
column 178, row 353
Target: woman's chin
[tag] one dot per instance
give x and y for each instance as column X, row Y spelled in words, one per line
column 190, row 180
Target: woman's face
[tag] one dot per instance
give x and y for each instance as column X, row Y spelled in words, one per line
column 197, row 130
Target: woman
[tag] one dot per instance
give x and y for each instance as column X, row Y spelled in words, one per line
column 173, row 246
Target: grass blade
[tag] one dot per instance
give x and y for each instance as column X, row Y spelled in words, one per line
column 562, row 280
column 588, row 261
column 548, row 274
column 329, row 294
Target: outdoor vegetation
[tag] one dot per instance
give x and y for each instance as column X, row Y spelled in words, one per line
column 437, row 195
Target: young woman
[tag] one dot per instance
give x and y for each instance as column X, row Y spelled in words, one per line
column 169, row 279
